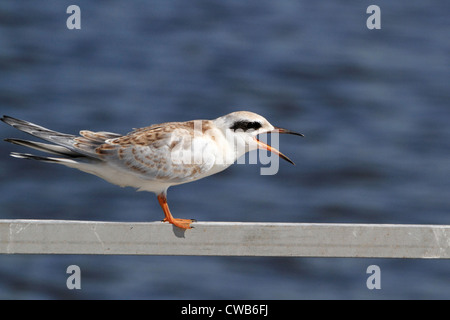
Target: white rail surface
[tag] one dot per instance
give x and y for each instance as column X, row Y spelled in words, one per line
column 225, row 239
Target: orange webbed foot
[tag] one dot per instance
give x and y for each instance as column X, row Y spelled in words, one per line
column 180, row 223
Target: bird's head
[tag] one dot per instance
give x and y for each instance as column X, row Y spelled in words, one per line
column 244, row 127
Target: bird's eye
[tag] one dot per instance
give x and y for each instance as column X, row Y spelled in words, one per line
column 246, row 125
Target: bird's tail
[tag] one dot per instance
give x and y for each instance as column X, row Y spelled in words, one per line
column 67, row 146
column 65, row 161
column 44, row 147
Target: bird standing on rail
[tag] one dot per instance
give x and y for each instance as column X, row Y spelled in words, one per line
column 157, row 157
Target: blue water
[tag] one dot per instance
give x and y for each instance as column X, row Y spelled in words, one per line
column 373, row 104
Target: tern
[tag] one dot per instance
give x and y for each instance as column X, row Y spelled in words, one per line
column 156, row 157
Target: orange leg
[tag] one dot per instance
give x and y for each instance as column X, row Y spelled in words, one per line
column 180, row 223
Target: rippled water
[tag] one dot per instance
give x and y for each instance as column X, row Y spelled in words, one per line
column 373, row 104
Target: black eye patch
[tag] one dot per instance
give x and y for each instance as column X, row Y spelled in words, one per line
column 246, row 125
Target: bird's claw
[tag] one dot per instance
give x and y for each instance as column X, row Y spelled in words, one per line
column 181, row 223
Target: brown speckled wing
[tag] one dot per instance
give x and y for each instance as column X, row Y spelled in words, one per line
column 161, row 152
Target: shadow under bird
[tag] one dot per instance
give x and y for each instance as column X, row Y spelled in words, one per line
column 157, row 157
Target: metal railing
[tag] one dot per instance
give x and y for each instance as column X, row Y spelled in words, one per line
column 225, row 239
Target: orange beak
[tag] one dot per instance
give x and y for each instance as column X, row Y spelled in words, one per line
column 262, row 145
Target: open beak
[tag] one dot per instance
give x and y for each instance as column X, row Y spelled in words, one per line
column 262, row 145
column 281, row 130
